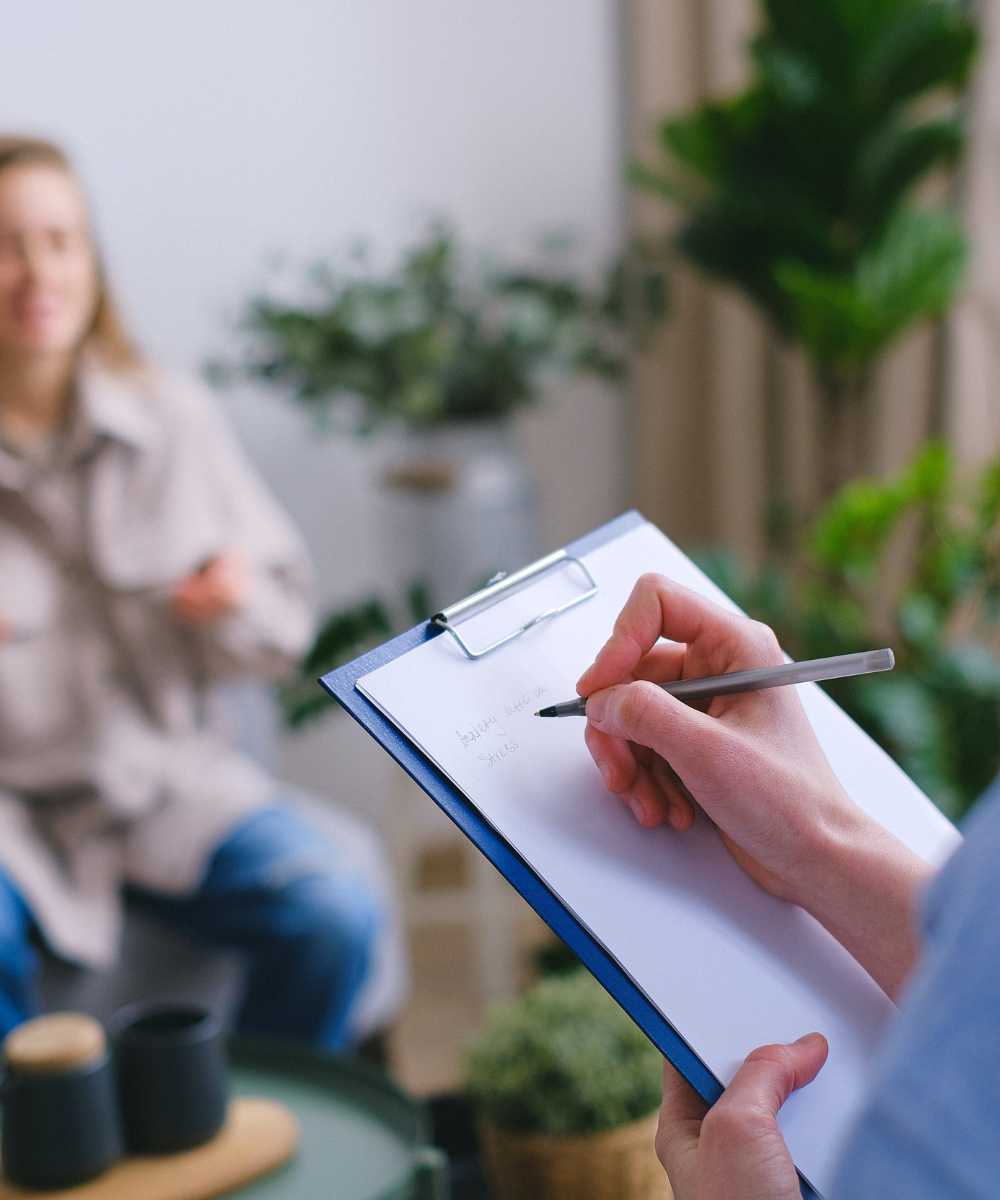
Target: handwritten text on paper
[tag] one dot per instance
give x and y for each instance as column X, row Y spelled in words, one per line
column 477, row 730
column 493, row 757
column 525, row 700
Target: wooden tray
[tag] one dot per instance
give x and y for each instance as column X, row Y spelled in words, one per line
column 258, row 1136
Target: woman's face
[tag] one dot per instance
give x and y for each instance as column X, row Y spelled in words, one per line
column 48, row 274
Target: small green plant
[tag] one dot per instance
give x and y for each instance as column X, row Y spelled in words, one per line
column 563, row 1059
column 938, row 712
column 344, row 635
column 437, row 341
column 800, row 190
column 555, row 958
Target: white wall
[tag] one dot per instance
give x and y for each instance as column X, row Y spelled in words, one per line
column 213, row 133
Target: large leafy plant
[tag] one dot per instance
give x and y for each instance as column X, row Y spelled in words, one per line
column 438, row 340
column 800, row 190
column 938, row 712
column 563, row 1059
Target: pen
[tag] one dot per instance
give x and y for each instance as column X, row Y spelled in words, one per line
column 813, row 669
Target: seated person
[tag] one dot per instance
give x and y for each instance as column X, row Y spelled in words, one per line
column 141, row 563
column 930, row 1127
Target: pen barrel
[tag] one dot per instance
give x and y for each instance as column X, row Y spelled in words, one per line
column 758, row 679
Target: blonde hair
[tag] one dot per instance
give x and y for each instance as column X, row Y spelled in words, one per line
column 106, row 336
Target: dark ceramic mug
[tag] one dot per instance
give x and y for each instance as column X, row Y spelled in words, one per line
column 171, row 1066
column 60, row 1110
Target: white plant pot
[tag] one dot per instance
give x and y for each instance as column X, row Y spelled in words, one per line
column 459, row 505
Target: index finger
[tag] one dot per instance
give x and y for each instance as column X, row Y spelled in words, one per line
column 681, row 1115
column 659, row 607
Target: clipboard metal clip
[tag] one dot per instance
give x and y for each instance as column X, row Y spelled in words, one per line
column 502, row 585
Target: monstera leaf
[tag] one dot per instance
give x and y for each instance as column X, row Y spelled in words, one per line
column 846, row 320
column 799, row 190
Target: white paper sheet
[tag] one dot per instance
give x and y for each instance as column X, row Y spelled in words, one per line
column 728, row 966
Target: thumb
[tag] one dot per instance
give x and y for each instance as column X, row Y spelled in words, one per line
column 771, row 1073
column 644, row 713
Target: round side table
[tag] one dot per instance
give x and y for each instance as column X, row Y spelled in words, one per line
column 362, row 1137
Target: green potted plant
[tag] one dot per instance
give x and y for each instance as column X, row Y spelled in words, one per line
column 938, row 712
column 439, row 355
column 800, row 191
column 568, row 1088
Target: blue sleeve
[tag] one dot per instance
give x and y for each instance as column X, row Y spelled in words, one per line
column 932, row 1126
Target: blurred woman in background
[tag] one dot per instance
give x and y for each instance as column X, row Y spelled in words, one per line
column 141, row 562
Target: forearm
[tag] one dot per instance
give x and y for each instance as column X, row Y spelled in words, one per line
column 862, row 884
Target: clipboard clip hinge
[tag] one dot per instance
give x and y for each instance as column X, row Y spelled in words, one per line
column 502, row 584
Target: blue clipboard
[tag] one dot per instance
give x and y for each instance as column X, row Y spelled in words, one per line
column 518, row 873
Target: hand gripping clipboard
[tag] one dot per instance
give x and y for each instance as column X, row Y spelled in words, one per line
column 341, row 684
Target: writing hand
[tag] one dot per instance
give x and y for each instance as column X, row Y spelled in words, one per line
column 219, row 589
column 735, row 1149
column 753, row 763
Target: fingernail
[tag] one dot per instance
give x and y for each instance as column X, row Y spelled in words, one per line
column 605, row 773
column 595, row 707
column 637, row 809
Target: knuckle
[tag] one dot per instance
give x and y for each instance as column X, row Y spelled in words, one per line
column 764, row 641
column 723, row 1122
column 776, row 1054
column 778, row 1058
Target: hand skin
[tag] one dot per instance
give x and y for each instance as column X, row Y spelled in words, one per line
column 754, row 765
column 219, row 589
column 734, row 1150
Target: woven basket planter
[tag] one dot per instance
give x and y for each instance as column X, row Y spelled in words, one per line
column 619, row 1165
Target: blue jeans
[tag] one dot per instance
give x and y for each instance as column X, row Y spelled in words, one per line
column 275, row 891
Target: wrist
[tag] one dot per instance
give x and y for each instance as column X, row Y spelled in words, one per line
column 862, row 884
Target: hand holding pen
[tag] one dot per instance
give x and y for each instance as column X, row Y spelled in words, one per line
column 752, row 762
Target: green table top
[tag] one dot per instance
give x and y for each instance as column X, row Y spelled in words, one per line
column 361, row 1135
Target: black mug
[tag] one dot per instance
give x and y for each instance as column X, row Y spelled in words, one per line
column 171, row 1066
column 60, row 1123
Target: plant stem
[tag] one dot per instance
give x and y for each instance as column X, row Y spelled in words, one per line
column 845, row 449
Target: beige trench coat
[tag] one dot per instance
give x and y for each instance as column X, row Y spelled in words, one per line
column 115, row 762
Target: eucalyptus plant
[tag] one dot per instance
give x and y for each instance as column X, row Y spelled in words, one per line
column 800, row 191
column 437, row 340
column 938, row 711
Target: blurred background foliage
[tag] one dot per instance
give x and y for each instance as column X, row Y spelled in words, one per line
column 911, row 562
column 805, row 191
column 344, row 635
column 800, row 190
column 438, row 340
